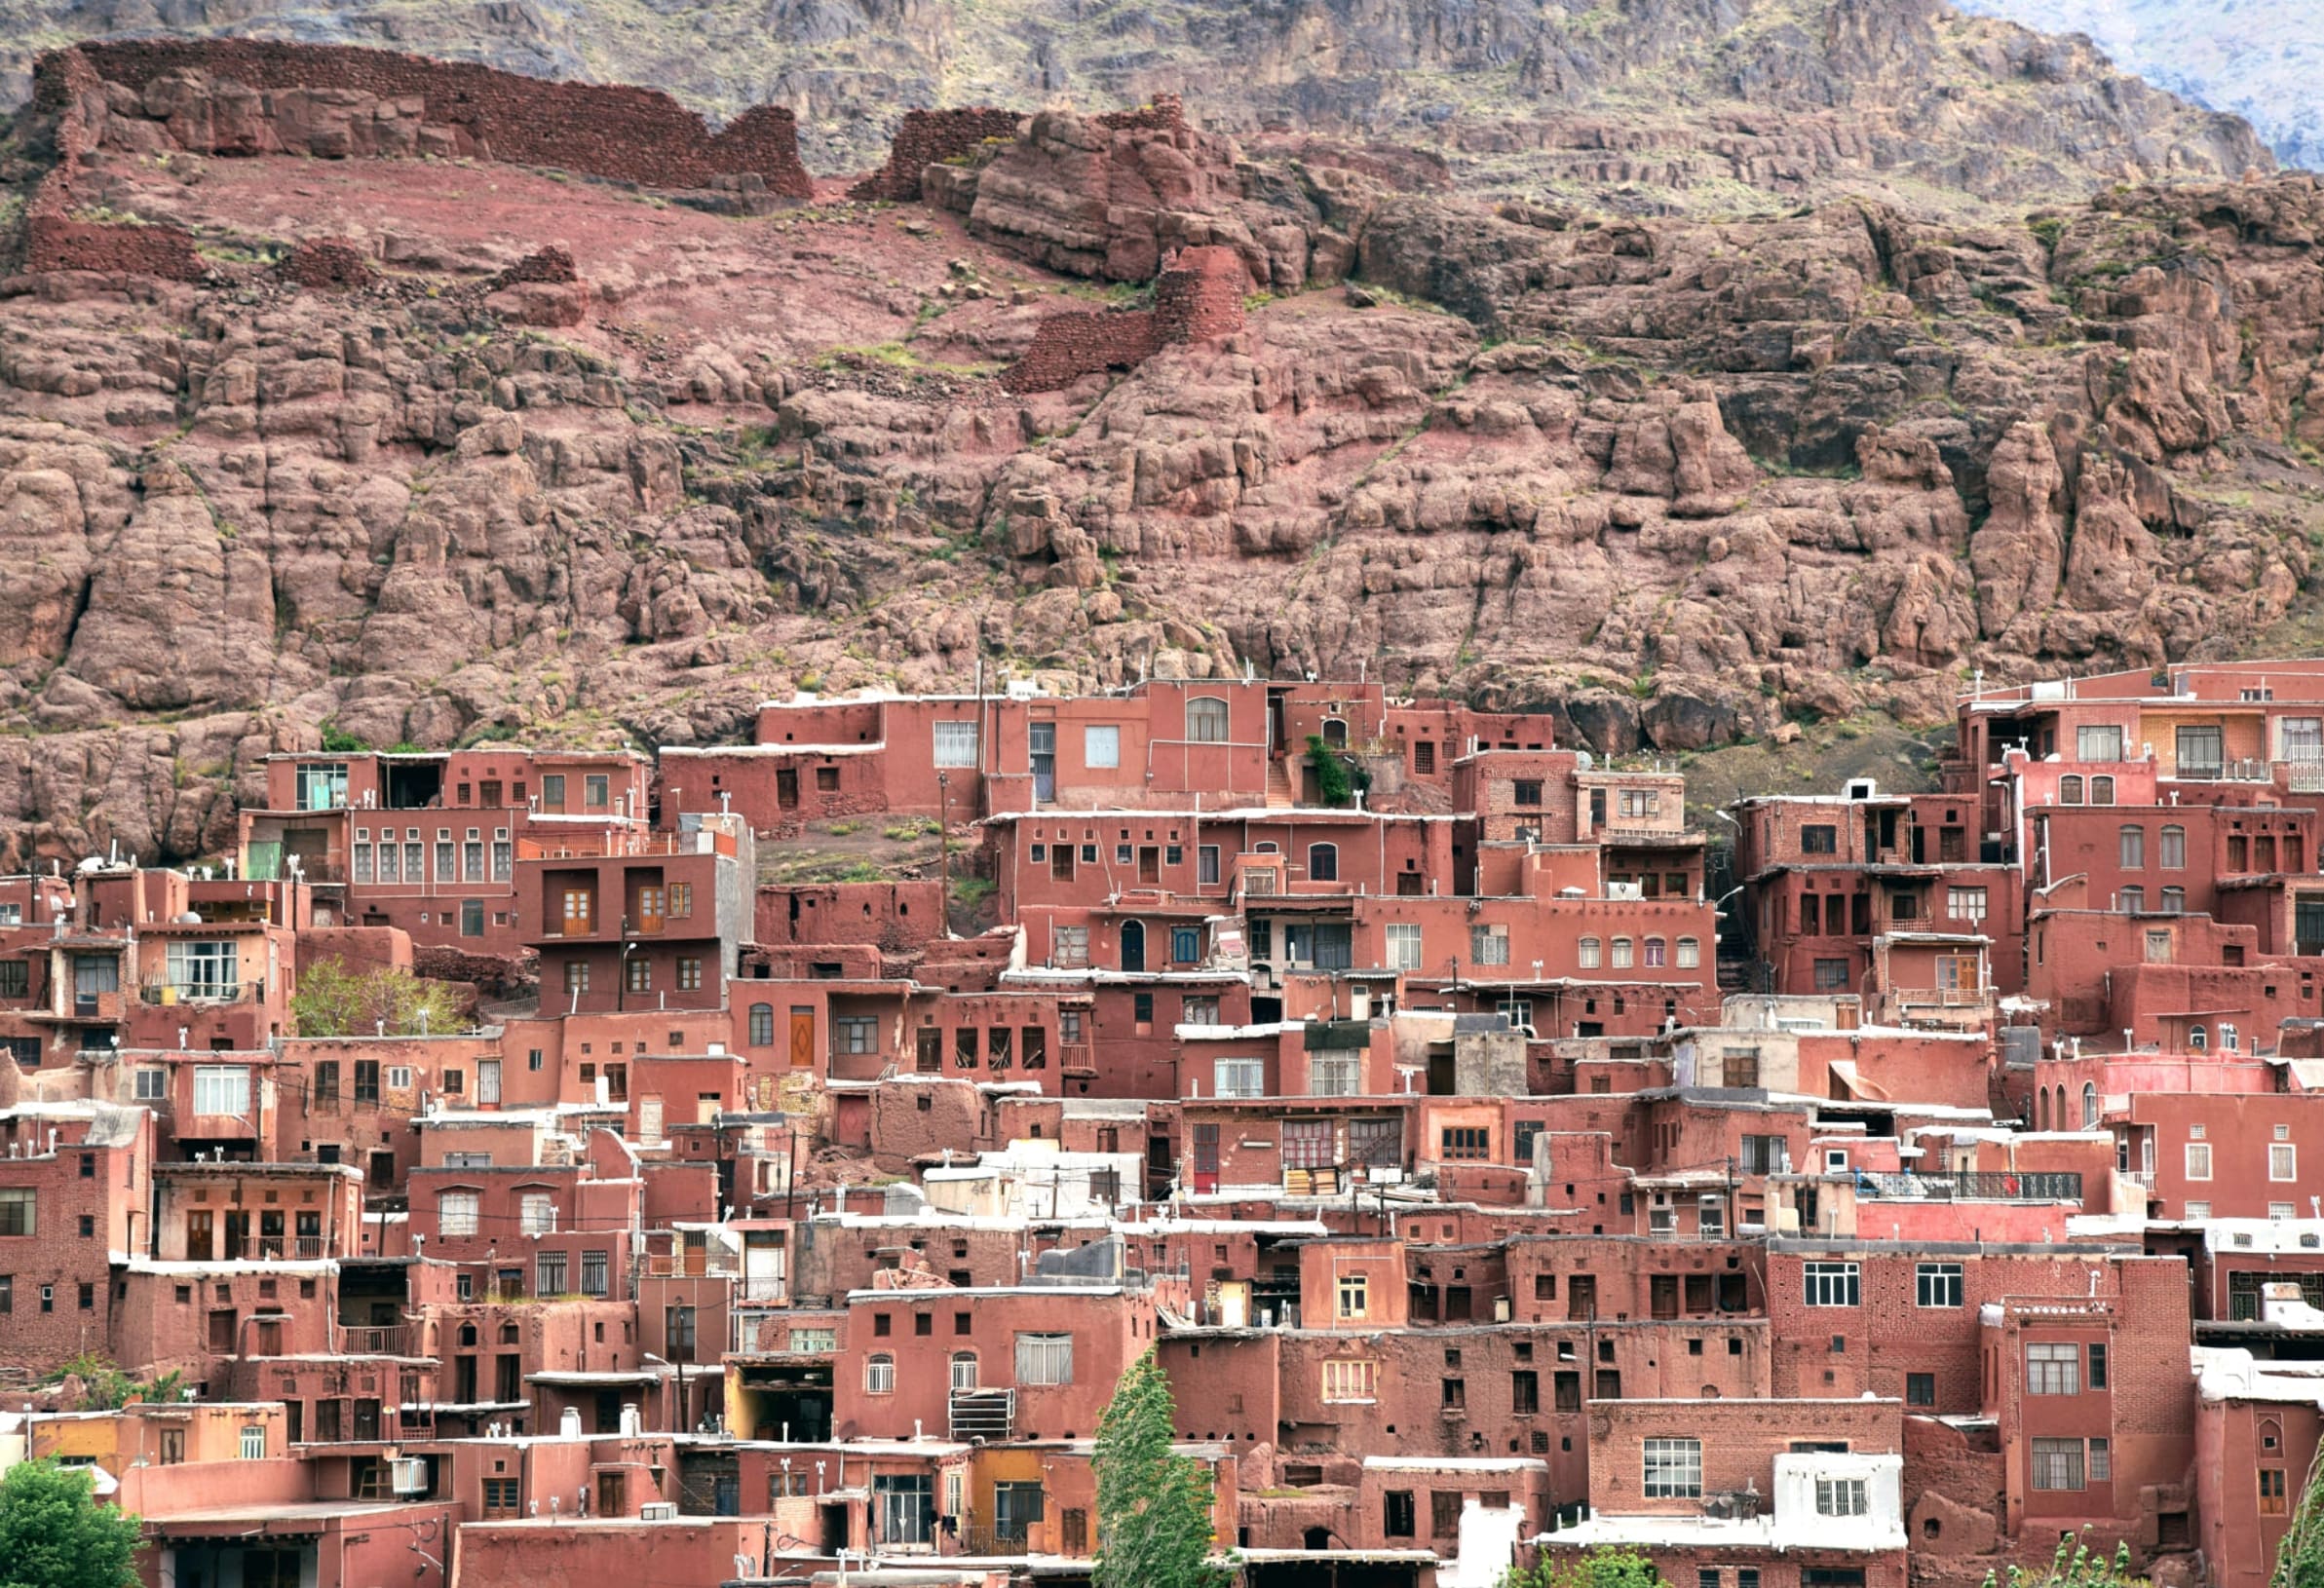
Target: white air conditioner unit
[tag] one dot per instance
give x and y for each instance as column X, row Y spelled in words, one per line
column 408, row 1475
column 658, row 1510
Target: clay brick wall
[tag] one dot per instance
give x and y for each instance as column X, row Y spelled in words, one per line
column 1083, row 342
column 54, row 239
column 1199, row 295
column 930, row 138
column 626, row 134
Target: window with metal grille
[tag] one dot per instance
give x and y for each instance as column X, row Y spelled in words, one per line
column 955, row 744
column 1842, row 1496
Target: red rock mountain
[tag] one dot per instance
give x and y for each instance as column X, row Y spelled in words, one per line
column 347, row 395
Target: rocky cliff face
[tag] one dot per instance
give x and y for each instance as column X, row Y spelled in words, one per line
column 1664, row 103
column 447, row 450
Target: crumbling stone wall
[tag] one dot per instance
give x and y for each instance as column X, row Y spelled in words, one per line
column 624, row 133
column 1197, row 296
column 65, row 86
column 1165, row 114
column 328, row 263
column 932, row 137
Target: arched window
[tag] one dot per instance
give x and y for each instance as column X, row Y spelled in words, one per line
column 2042, row 1108
column 1690, row 952
column 1335, row 732
column 2131, row 842
column 1207, row 720
column 2228, row 1037
column 2197, row 1038
column 2058, row 1113
column 1267, row 846
column 2102, row 790
column 762, row 1025
column 2069, row 789
column 467, row 1334
column 1621, row 953
column 2174, row 900
column 2089, row 1104
column 2174, row 849
column 1590, row 954
column 1134, row 945
column 1323, row 863
column 964, row 1369
column 2133, row 900
column 1656, row 949
column 879, row 1374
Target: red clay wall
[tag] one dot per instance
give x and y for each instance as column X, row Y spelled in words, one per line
column 930, row 137
column 53, row 239
column 626, row 134
column 1083, row 342
column 1199, row 296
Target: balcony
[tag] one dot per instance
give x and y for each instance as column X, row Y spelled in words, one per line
column 624, row 844
column 281, row 1249
column 377, row 1340
column 1970, row 1187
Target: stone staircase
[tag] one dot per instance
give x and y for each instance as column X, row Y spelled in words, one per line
column 1278, row 787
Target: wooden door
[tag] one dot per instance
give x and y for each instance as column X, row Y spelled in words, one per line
column 200, row 1235
column 580, row 912
column 802, row 1037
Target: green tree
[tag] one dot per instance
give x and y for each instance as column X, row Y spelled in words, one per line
column 2075, row 1566
column 1153, row 1505
column 334, row 1000
column 1597, row 1568
column 54, row 1535
column 105, row 1387
column 2300, row 1559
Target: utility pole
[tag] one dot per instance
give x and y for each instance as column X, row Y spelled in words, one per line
column 945, row 841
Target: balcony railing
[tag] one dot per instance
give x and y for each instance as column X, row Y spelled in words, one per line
column 377, row 1340
column 989, row 1415
column 1970, row 1187
column 201, row 992
column 620, row 843
column 283, row 1249
column 2224, row 772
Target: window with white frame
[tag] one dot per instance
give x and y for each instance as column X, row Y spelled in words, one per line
column 2053, row 1369
column 1101, row 747
column 536, row 1213
column 1622, row 954
column 2198, row 1210
column 2283, row 1161
column 1842, row 1496
column 1489, row 945
column 1238, row 1078
column 955, row 744
column 1403, row 946
column 1335, row 1074
column 153, row 1086
column 1690, row 952
column 253, row 1443
column 222, row 1089
column 203, row 970
column 1043, row 1360
column 812, row 1341
column 1831, row 1284
column 2172, row 849
column 456, row 1213
column 1350, row 1379
column 879, row 1374
column 855, row 1034
column 1965, row 903
column 2098, row 744
column 1207, row 720
column 1937, row 1284
column 1588, row 952
column 1673, row 1469
column 2198, row 1160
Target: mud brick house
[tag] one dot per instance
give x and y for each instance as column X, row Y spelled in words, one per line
column 1473, row 1215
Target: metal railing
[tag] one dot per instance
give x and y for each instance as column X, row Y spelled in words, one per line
column 201, row 992
column 989, row 1415
column 285, row 1248
column 1970, row 1187
column 377, row 1340
column 2229, row 771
